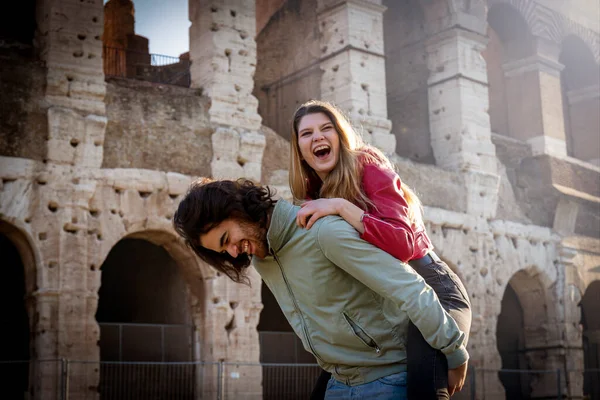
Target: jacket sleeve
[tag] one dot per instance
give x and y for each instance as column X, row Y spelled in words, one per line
column 391, row 230
column 396, row 281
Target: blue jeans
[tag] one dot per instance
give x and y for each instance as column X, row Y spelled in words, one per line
column 391, row 387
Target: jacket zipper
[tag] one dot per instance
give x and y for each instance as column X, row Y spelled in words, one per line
column 361, row 334
column 296, row 307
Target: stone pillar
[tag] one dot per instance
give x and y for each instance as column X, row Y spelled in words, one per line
column 534, row 98
column 69, row 43
column 69, row 34
column 571, row 329
column 353, row 65
column 584, row 121
column 458, row 112
column 223, row 56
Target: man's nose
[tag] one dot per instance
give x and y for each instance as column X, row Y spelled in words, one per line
column 233, row 250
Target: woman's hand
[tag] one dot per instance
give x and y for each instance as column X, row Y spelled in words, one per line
column 311, row 211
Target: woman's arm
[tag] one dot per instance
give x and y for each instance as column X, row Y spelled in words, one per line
column 312, row 210
column 388, row 226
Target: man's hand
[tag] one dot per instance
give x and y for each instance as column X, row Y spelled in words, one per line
column 456, row 378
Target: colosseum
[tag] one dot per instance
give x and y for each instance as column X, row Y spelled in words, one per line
column 489, row 108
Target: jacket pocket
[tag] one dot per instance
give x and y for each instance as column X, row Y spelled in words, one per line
column 361, row 334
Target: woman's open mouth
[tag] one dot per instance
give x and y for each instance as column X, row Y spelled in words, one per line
column 322, row 151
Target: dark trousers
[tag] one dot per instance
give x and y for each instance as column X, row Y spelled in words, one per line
column 427, row 367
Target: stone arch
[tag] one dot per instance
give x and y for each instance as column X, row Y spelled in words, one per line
column 580, row 86
column 20, row 237
column 512, row 30
column 590, row 321
column 589, row 37
column 542, row 22
column 159, row 232
column 551, row 25
column 522, row 330
column 18, row 308
column 146, row 311
column 194, row 271
column 196, row 274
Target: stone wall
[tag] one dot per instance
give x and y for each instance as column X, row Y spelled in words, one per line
column 157, row 127
column 406, row 74
column 23, row 121
column 86, row 163
column 287, row 73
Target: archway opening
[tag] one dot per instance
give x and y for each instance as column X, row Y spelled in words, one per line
column 18, row 25
column 510, row 339
column 590, row 319
column 15, row 322
column 145, row 319
column 580, row 80
column 280, row 345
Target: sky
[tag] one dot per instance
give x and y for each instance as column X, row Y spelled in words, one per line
column 165, row 23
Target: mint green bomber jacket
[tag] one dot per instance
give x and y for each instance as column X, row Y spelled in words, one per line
column 349, row 301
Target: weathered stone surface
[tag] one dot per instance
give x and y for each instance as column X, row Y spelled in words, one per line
column 85, row 165
column 158, row 127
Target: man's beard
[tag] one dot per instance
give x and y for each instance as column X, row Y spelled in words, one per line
column 257, row 236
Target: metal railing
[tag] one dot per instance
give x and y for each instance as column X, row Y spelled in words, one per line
column 107, row 380
column 146, row 342
column 157, row 68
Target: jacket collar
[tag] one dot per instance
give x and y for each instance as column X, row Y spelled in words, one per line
column 282, row 224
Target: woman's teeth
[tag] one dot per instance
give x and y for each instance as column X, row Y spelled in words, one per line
column 321, row 151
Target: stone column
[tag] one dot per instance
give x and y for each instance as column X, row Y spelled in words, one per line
column 353, row 65
column 223, row 56
column 534, row 98
column 69, row 34
column 458, row 111
column 570, row 329
column 584, row 121
column 69, row 43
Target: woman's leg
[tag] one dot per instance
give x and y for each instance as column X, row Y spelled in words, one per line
column 318, row 392
column 427, row 367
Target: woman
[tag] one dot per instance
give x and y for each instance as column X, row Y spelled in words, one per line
column 339, row 174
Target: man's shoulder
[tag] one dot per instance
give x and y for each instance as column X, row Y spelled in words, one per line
column 333, row 226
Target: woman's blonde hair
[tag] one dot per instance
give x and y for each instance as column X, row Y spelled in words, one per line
column 344, row 181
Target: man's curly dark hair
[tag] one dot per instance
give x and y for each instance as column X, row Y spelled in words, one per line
column 207, row 204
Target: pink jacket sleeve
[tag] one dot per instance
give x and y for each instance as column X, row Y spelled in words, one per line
column 387, row 225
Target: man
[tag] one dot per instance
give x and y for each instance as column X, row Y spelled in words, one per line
column 348, row 301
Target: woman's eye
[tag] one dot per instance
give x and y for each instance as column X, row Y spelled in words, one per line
column 305, row 133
